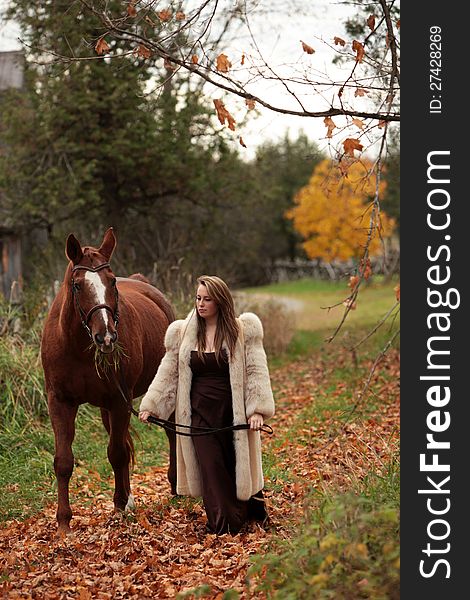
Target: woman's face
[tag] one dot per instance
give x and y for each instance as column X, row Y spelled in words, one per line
column 205, row 305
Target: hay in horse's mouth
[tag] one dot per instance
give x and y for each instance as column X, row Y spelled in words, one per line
column 105, row 361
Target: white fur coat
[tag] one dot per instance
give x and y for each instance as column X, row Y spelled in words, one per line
column 251, row 393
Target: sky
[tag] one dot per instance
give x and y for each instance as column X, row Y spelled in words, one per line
column 279, row 41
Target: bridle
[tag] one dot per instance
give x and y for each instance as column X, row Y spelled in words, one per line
column 86, row 316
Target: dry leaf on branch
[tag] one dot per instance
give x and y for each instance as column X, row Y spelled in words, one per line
column 223, row 64
column 168, row 65
column 165, row 15
column 360, row 92
column 101, row 46
column 250, row 103
column 365, row 269
column 143, row 51
column 306, row 48
column 224, row 115
column 351, row 144
column 353, row 281
column 382, row 124
column 242, row 143
column 242, row 62
column 359, row 50
column 398, row 23
column 396, row 289
column 350, row 304
column 330, row 124
column 194, row 59
column 339, row 41
column 131, row 11
column 358, row 123
column 371, row 22
column 180, row 16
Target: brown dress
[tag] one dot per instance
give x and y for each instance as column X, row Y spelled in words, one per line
column 211, row 406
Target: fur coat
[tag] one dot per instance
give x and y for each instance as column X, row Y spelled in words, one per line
column 251, row 393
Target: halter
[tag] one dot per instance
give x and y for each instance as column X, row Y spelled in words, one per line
column 86, row 316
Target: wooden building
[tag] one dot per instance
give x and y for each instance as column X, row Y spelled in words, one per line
column 11, row 76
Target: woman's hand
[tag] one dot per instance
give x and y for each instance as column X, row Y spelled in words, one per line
column 256, row 421
column 145, row 414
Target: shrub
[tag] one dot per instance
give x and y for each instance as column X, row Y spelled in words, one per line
column 346, row 549
column 277, row 318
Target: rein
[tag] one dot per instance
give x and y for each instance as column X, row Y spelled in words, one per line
column 170, row 426
column 86, row 316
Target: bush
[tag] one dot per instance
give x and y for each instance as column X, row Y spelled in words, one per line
column 22, row 396
column 346, row 549
column 278, row 320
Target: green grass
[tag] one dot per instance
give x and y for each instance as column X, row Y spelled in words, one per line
column 26, row 464
column 314, row 297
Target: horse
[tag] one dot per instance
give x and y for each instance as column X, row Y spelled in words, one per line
column 103, row 339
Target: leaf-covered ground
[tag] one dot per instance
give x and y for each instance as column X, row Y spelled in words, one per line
column 162, row 550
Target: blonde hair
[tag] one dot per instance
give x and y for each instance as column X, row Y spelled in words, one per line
column 227, row 326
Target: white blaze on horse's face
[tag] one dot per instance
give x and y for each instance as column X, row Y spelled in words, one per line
column 98, row 290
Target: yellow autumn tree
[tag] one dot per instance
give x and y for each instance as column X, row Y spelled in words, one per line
column 333, row 212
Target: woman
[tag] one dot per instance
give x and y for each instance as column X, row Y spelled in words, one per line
column 215, row 374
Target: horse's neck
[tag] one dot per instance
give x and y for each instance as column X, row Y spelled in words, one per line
column 70, row 323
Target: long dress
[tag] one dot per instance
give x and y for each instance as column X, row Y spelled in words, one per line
column 211, row 406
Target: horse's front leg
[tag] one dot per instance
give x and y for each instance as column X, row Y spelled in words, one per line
column 120, row 452
column 62, row 415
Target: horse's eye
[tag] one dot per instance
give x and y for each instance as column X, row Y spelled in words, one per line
column 76, row 286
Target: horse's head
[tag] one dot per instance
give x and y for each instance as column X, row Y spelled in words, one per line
column 94, row 290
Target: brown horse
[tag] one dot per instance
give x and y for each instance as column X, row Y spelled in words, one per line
column 80, row 335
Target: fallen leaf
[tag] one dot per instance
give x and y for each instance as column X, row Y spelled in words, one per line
column 330, row 124
column 224, row 115
column 351, row 144
column 306, row 48
column 101, row 46
column 359, row 50
column 339, row 41
column 371, row 22
column 223, row 64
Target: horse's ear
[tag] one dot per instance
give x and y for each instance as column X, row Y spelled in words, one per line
column 108, row 244
column 73, row 249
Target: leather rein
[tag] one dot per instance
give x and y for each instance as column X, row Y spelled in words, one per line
column 168, row 425
column 173, row 427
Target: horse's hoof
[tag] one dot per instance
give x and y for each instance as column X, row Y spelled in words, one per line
column 130, row 506
column 63, row 532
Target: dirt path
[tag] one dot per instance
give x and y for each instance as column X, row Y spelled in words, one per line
column 162, row 549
